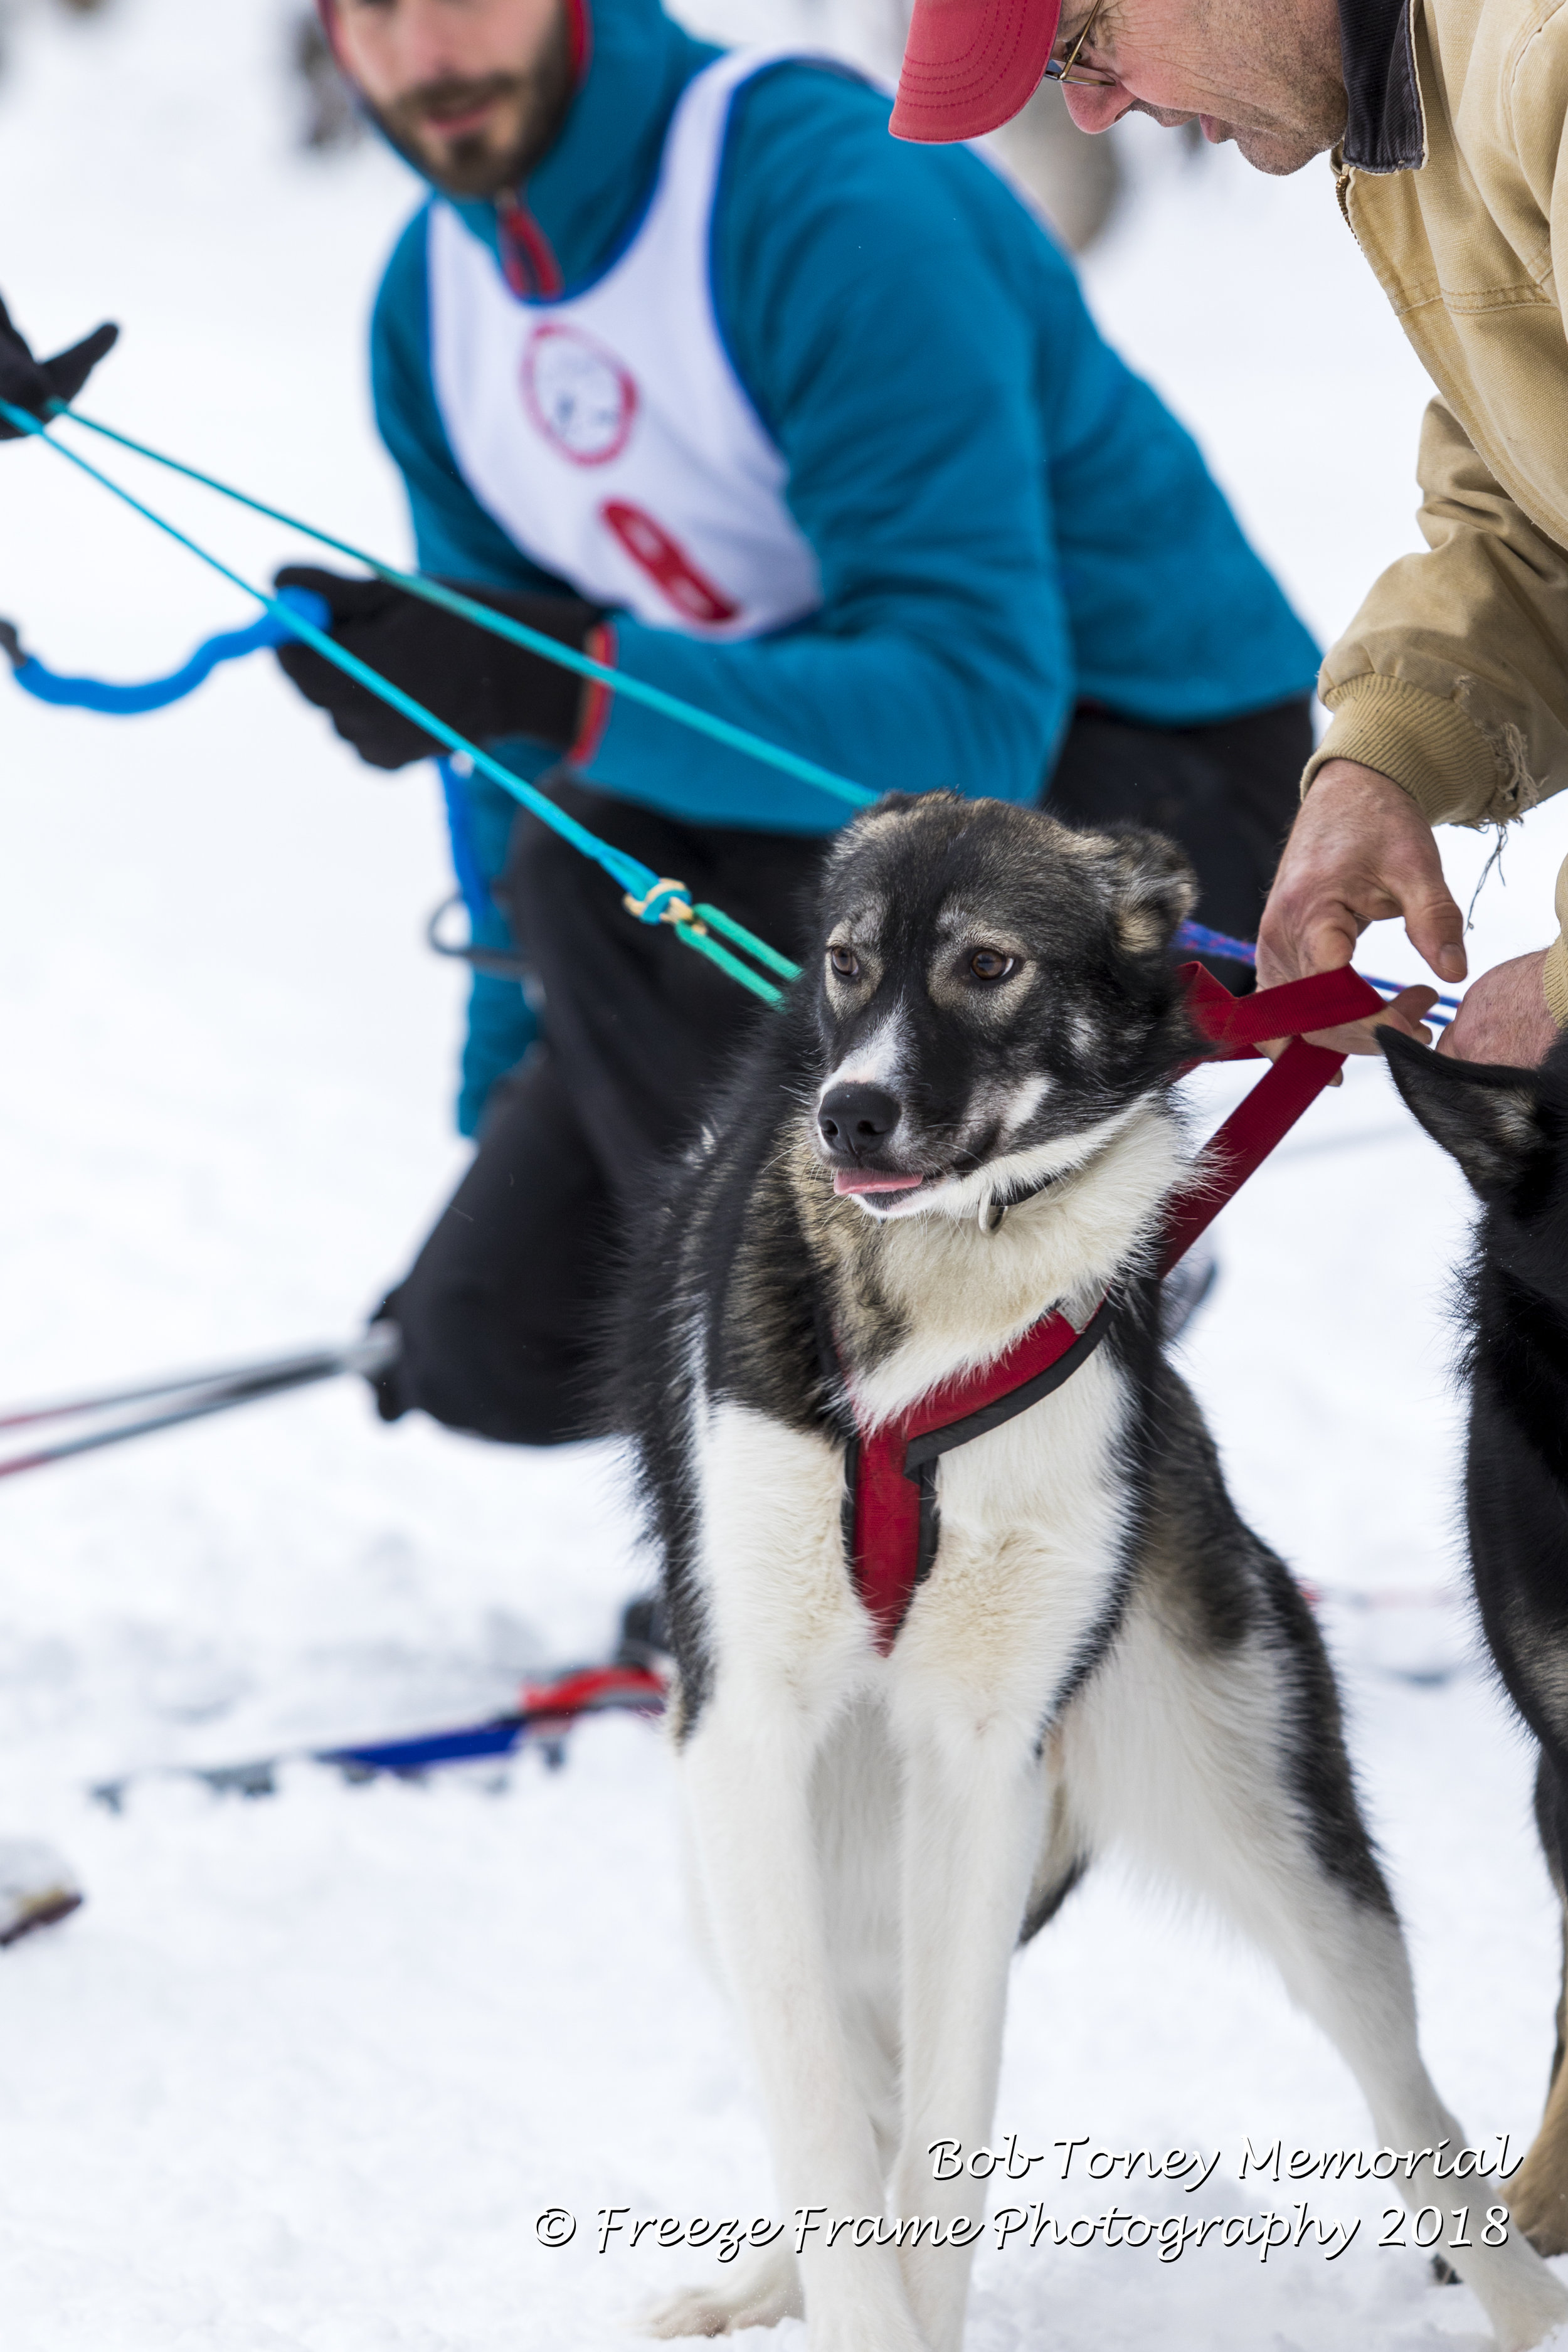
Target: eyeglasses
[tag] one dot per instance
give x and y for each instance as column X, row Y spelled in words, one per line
column 1067, row 68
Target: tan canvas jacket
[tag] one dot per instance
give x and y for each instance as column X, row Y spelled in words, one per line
column 1453, row 677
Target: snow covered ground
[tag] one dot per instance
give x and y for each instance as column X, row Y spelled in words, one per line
column 303, row 2074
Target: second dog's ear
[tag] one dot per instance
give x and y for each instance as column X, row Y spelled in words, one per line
column 1487, row 1118
column 1152, row 888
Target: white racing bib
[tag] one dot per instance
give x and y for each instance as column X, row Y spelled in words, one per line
column 607, row 434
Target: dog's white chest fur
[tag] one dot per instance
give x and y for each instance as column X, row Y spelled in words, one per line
column 1032, row 1515
column 1032, row 1522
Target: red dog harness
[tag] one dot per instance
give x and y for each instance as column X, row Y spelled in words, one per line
column 891, row 1518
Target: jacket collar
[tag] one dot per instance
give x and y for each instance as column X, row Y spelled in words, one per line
column 1386, row 129
column 583, row 200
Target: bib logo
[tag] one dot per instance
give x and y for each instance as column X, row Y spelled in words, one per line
column 668, row 565
column 580, row 399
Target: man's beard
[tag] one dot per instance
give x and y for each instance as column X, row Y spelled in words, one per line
column 485, row 163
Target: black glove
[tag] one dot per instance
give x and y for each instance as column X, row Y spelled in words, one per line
column 31, row 383
column 481, row 685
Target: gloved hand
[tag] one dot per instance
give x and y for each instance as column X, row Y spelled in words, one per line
column 31, row 383
column 481, row 685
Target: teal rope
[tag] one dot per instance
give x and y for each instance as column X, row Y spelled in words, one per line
column 750, row 942
column 501, row 625
column 637, row 879
column 727, row 963
column 629, row 872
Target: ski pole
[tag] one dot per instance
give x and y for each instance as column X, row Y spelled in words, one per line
column 191, row 1397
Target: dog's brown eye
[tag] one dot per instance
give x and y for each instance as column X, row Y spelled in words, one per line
column 845, row 962
column 988, row 964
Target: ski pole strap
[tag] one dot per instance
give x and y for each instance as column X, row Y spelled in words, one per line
column 119, row 702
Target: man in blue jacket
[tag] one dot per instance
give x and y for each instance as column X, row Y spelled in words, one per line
column 686, row 363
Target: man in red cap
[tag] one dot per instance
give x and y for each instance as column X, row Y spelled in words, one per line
column 1450, row 691
column 1275, row 84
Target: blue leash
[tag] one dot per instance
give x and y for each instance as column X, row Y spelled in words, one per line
column 157, row 693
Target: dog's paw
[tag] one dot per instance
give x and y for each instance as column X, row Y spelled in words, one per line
column 761, row 2293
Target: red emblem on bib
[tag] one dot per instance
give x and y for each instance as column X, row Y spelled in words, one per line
column 580, row 397
column 668, row 565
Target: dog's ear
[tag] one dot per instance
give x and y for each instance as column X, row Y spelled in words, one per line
column 1150, row 886
column 1489, row 1117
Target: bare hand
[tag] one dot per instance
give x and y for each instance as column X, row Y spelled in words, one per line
column 1359, row 852
column 1505, row 1017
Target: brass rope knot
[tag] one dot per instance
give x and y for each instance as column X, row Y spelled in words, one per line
column 667, row 902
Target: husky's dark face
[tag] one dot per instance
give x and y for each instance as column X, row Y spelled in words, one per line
column 995, row 993
column 1509, row 1131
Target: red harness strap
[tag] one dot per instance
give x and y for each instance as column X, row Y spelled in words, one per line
column 891, row 1518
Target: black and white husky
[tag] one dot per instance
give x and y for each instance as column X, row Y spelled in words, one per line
column 1509, row 1131
column 962, row 1118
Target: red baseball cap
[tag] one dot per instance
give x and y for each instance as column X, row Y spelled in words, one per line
column 970, row 65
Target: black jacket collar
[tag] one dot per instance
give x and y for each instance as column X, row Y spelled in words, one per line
column 1383, row 131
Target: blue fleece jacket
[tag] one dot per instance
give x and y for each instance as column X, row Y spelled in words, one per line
column 1005, row 519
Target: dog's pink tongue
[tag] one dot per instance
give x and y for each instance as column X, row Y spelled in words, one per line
column 865, row 1179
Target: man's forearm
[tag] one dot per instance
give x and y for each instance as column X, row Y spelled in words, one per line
column 1451, row 679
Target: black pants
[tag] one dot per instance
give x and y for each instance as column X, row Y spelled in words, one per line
column 502, row 1311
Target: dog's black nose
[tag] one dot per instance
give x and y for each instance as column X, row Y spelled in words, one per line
column 854, row 1119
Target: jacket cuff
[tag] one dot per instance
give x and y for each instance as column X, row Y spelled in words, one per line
column 1420, row 742
column 1554, row 979
column 597, row 699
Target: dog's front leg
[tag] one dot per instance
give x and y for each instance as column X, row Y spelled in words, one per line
column 747, row 1769
column 973, row 1803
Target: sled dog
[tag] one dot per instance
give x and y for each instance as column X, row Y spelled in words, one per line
column 1509, row 1131
column 961, row 1120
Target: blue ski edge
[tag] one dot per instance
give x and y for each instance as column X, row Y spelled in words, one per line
column 497, row 1738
